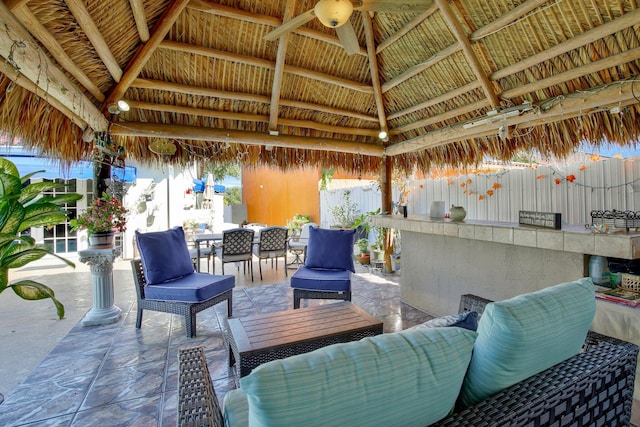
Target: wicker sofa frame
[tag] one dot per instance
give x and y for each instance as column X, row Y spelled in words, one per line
column 186, row 309
column 592, row 388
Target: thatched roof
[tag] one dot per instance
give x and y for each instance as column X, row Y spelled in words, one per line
column 441, row 78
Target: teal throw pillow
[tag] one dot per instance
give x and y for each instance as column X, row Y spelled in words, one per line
column 525, row 335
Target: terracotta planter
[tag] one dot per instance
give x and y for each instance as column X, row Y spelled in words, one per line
column 101, row 240
column 364, row 259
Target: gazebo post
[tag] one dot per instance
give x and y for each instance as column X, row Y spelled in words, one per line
column 386, row 173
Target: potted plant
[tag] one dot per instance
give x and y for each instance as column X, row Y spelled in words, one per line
column 377, row 253
column 295, row 224
column 363, row 257
column 20, row 209
column 102, row 219
column 344, row 213
column 362, row 224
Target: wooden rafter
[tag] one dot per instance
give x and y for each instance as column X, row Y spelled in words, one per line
column 158, row 130
column 215, row 93
column 90, row 28
column 447, row 115
column 143, row 54
column 506, row 19
column 276, row 85
column 407, row 28
column 29, row 20
column 137, row 8
column 16, row 42
column 458, row 32
column 373, row 69
column 438, row 99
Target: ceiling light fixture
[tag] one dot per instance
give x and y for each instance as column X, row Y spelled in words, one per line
column 382, row 134
column 333, row 13
column 118, row 107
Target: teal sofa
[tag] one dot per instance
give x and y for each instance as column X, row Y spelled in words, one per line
column 531, row 362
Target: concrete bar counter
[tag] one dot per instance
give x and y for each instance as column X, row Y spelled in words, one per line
column 442, row 259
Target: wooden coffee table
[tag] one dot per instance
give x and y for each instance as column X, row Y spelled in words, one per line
column 254, row 340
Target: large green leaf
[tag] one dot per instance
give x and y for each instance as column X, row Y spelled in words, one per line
column 10, row 186
column 23, row 257
column 6, row 166
column 42, row 214
column 33, row 190
column 6, row 239
column 11, row 222
column 31, row 290
column 61, row 199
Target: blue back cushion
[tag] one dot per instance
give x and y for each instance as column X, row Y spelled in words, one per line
column 331, row 249
column 164, row 255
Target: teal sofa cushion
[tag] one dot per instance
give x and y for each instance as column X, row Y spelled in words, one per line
column 235, row 409
column 522, row 336
column 408, row 378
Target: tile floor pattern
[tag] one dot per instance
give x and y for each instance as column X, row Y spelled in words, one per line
column 117, row 375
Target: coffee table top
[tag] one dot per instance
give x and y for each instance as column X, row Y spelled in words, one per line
column 264, row 331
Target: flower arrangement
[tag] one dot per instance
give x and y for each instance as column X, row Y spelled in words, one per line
column 104, row 214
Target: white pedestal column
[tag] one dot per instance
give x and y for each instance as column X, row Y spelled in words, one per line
column 104, row 311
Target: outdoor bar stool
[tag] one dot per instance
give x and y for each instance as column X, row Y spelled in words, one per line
column 328, row 267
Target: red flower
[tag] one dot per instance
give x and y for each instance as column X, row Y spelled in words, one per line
column 481, row 197
column 571, row 178
column 496, row 185
column 490, row 192
column 558, row 181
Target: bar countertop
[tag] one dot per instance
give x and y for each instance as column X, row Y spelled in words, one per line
column 571, row 238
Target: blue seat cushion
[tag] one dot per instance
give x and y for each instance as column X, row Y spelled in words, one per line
column 195, row 287
column 321, row 279
column 331, row 249
column 164, row 255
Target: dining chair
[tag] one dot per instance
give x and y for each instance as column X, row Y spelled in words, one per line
column 272, row 245
column 236, row 247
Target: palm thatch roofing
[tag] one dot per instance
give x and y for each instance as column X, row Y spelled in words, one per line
column 451, row 81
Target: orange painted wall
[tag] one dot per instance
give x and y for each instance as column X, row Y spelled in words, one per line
column 273, row 197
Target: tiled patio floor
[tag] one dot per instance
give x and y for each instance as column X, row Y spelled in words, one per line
column 117, row 375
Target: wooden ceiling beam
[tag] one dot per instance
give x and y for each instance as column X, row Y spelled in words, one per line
column 474, row 63
column 276, row 86
column 230, row 12
column 373, row 70
column 137, row 8
column 552, row 110
column 438, row 99
column 506, row 19
column 227, row 115
column 80, row 12
column 39, row 31
column 34, row 64
column 257, row 62
column 180, row 88
column 575, row 73
column 158, row 130
column 448, row 115
column 144, row 52
column 418, row 68
column 625, row 21
column 407, row 28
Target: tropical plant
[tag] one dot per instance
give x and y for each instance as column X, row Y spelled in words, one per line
column 20, row 209
column 344, row 213
column 363, row 221
column 105, row 214
column 295, row 224
column 363, row 245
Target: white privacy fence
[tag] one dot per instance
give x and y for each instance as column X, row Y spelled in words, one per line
column 573, row 190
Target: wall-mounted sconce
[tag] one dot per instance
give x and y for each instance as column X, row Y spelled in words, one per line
column 118, row 107
column 88, row 135
column 383, row 135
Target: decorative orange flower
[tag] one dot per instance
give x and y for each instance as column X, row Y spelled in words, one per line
column 421, row 185
column 469, row 181
column 496, row 185
column 481, row 197
column 540, row 176
column 490, row 193
column 558, row 181
column 463, row 185
column 471, row 192
column 583, row 167
column 594, row 157
column 617, row 156
column 571, row 178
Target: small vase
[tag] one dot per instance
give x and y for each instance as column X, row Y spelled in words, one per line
column 101, row 240
column 457, row 213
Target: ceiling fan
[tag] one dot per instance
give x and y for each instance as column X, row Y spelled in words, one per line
column 336, row 14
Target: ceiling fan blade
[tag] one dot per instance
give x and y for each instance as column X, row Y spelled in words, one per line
column 348, row 38
column 290, row 25
column 392, row 6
